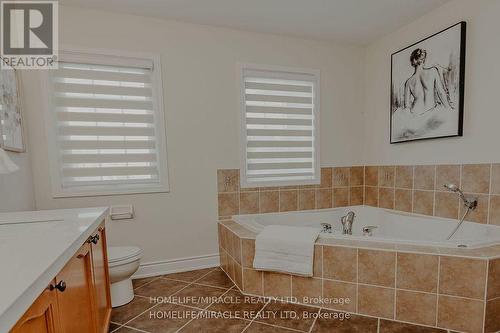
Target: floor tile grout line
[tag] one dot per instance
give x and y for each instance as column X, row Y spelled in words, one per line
column 149, row 309
column 147, row 283
column 253, row 319
column 314, row 321
column 208, row 285
column 135, row 329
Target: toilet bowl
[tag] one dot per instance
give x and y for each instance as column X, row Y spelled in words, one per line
column 123, row 262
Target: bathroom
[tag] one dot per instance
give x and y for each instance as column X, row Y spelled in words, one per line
column 186, row 233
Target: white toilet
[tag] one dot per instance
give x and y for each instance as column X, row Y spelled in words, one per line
column 123, row 261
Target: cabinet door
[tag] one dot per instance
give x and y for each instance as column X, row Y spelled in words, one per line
column 76, row 300
column 42, row 316
column 101, row 279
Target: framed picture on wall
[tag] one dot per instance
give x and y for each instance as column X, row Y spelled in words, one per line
column 427, row 87
column 11, row 122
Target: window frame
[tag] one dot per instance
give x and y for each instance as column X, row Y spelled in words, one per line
column 242, row 67
column 121, row 58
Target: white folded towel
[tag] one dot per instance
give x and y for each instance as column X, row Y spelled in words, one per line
column 286, row 249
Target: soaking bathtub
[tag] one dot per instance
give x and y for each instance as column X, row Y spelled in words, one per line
column 392, row 226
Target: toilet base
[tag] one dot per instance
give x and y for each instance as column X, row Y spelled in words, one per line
column 122, row 292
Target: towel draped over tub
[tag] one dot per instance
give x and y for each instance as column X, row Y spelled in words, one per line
column 286, row 249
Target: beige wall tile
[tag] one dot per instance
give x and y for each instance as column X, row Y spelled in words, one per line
column 307, row 199
column 417, row 272
column 376, row 267
column 404, row 176
column 495, row 179
column 340, row 263
column 371, row 196
column 228, row 180
column 403, row 200
column 340, row 197
column 416, row 307
column 341, row 177
column 357, row 176
column 494, row 279
column 324, row 198
column 423, row 202
column 307, row 290
column 460, row 314
column 326, row 178
column 248, row 252
column 357, row 195
column 480, row 214
column 447, row 174
column 386, row 176
column 277, row 284
column 492, row 318
column 371, row 175
column 494, row 210
column 424, row 177
column 318, row 261
column 224, row 257
column 252, row 281
column 446, row 205
column 462, row 277
column 476, row 178
column 228, row 204
column 269, row 201
column 386, row 198
column 288, row 200
column 238, row 275
column 236, row 248
column 249, row 202
column 376, row 301
column 340, row 295
column 250, row 189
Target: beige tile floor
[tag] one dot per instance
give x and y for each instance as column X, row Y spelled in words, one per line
column 207, row 301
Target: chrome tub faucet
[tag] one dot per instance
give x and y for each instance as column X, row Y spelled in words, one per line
column 347, row 222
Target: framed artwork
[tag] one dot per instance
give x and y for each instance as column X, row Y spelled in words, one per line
column 427, row 87
column 11, row 122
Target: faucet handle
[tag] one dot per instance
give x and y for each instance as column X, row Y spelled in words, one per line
column 368, row 230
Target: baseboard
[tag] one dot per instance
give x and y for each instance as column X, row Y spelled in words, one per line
column 156, row 268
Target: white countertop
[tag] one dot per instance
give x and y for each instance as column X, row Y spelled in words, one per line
column 32, row 253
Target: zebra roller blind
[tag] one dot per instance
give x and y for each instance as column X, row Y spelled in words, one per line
column 107, row 126
column 279, row 126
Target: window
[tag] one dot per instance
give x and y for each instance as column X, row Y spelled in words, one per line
column 106, row 125
column 279, row 126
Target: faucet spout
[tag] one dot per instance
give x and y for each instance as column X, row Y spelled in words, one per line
column 347, row 222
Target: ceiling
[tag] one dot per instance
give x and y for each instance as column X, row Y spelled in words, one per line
column 350, row 21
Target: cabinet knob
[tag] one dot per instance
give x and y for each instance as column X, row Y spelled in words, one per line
column 93, row 239
column 61, row 286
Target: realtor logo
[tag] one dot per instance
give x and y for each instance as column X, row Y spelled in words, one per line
column 29, row 36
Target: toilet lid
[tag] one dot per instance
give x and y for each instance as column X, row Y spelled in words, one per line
column 118, row 253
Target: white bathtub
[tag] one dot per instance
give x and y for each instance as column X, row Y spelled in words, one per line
column 392, row 226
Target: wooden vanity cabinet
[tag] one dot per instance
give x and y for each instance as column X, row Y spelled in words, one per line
column 42, row 316
column 101, row 279
column 78, row 299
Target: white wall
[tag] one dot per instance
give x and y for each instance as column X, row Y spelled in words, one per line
column 201, row 109
column 482, row 114
column 16, row 189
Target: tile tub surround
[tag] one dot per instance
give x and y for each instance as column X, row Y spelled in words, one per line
column 339, row 187
column 436, row 289
column 415, row 189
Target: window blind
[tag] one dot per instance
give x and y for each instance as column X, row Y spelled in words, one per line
column 279, row 126
column 105, row 125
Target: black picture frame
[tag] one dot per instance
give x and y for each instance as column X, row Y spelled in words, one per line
column 461, row 85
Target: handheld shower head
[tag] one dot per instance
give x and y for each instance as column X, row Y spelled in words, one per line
column 470, row 203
